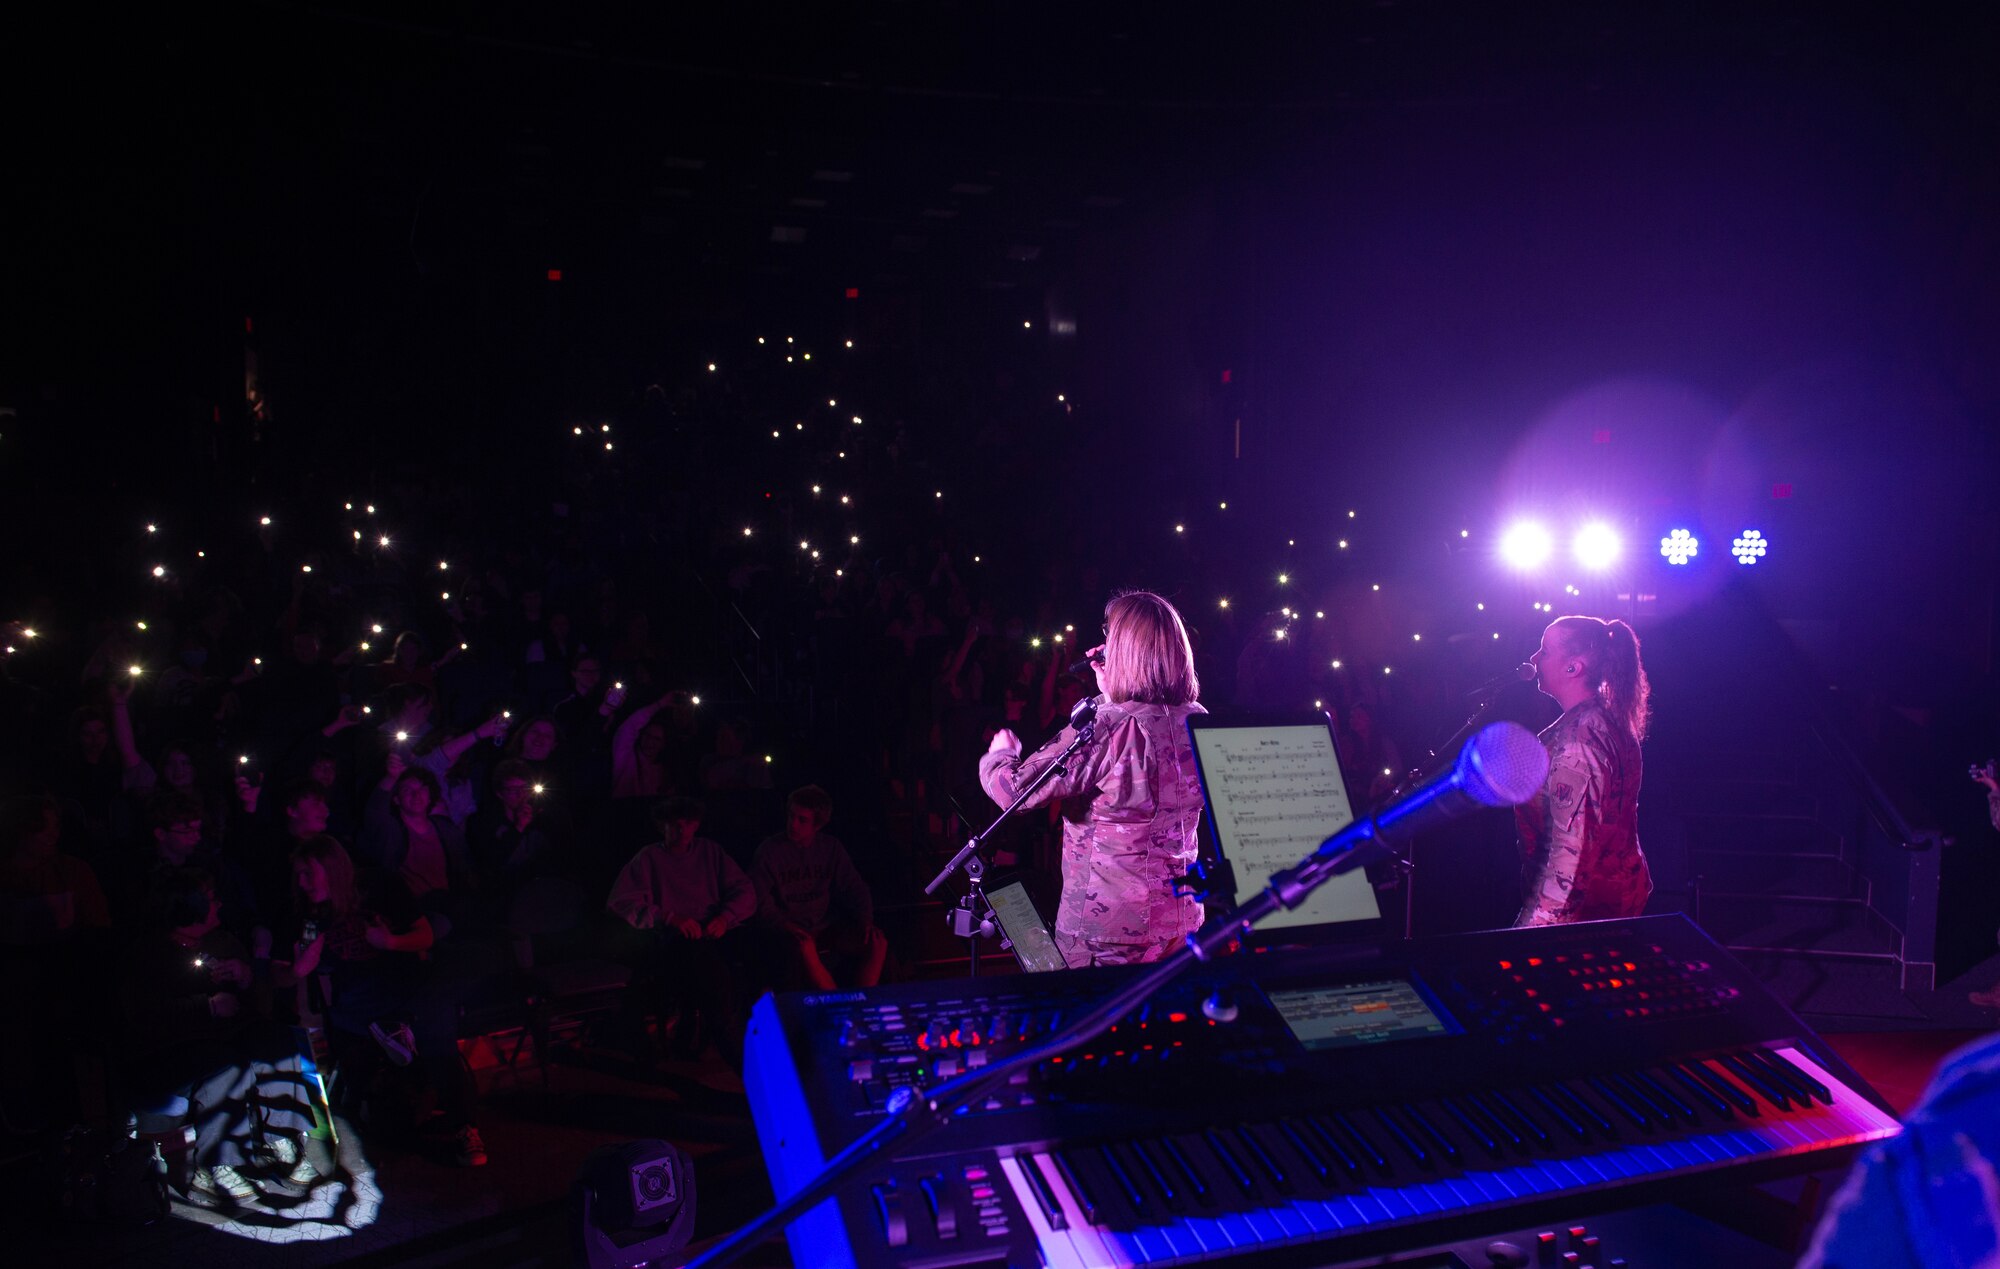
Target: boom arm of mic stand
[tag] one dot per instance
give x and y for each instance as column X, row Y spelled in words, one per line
column 1059, row 767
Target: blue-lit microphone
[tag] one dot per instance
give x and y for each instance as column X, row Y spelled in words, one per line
column 1503, row 765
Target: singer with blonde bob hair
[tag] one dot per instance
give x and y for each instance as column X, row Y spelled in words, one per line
column 1131, row 798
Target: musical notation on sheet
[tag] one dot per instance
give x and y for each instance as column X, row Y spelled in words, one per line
column 1276, row 793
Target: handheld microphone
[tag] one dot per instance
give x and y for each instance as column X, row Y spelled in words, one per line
column 1078, row 667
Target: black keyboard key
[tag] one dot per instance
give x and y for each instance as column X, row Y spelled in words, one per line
column 1085, row 1192
column 1632, row 1110
column 1522, row 1119
column 1724, row 1087
column 1196, row 1180
column 1657, row 1113
column 1370, row 1152
column 1433, row 1131
column 1489, row 1113
column 1663, row 1097
column 1232, row 1166
column 1150, row 1170
column 1261, row 1157
column 1584, row 1108
column 1128, row 1184
column 1569, row 1123
column 1403, row 1138
column 1471, row 1129
column 1045, row 1195
column 1319, row 1164
column 1701, row 1092
column 1820, row 1092
column 1759, row 1083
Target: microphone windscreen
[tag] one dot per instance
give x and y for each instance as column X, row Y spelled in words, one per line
column 1525, row 671
column 1504, row 765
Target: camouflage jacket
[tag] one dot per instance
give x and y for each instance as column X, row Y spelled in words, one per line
column 1580, row 834
column 1130, row 803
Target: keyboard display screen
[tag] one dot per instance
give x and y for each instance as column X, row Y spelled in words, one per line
column 1359, row 1013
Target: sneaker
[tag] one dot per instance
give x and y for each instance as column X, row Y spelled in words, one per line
column 1988, row 999
column 397, row 1041
column 224, row 1185
column 471, row 1150
column 280, row 1155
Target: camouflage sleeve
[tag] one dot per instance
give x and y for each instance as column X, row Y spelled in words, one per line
column 1993, row 807
column 1570, row 795
column 1003, row 775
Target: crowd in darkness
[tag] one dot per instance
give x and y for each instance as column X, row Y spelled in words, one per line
column 310, row 754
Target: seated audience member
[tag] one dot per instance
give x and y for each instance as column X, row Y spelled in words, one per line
column 403, row 832
column 506, row 842
column 810, row 896
column 189, row 1034
column 689, row 896
column 366, row 936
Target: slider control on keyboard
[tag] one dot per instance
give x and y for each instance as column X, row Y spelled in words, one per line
column 944, row 1216
column 889, row 1206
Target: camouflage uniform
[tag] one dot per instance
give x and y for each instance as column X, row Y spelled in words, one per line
column 1580, row 834
column 1130, row 803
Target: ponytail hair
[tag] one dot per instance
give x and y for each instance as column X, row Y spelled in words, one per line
column 1609, row 651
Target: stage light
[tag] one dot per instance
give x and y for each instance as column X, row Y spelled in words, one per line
column 1465, row 533
column 1750, row 548
column 1286, row 611
column 1526, row 545
column 385, row 539
column 159, row 570
column 1224, row 506
column 152, row 528
column 606, row 427
column 1320, row 613
column 815, row 491
column 850, row 343
column 265, row 521
column 1596, row 546
column 1376, row 586
column 1343, row 544
column 1480, row 607
column 1336, row 665
column 711, row 367
column 1225, row 603
column 1416, row 638
column 1280, row 632
column 1180, row 528
column 1284, row 578
column 1680, row 546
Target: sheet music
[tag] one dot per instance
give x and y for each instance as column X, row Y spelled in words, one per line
column 1277, row 793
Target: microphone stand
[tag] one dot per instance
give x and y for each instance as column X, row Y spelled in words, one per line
column 1404, row 858
column 972, row 919
column 914, row 1114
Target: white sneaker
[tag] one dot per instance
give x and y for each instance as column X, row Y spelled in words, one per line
column 398, row 1041
column 225, row 1185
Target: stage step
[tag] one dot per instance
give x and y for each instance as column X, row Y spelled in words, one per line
column 1812, row 927
column 1738, row 872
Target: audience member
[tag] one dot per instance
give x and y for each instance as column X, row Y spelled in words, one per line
column 815, row 903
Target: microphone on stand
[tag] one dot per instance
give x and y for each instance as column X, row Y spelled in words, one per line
column 1522, row 673
column 1504, row 765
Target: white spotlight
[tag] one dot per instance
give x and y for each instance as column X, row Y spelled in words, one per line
column 1526, row 545
column 1596, row 546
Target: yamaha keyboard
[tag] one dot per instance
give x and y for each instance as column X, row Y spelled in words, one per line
column 1363, row 1102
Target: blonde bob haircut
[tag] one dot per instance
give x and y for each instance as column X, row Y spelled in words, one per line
column 1147, row 656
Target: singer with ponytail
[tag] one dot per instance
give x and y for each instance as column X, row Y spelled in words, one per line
column 1580, row 834
column 1131, row 799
